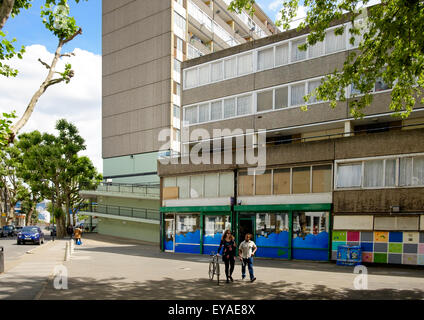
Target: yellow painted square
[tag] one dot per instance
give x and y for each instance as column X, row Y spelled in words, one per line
column 411, row 237
column 381, row 236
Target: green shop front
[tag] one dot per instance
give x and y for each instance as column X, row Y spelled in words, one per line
column 291, row 231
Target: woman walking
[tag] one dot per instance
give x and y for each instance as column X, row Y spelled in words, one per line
column 228, row 254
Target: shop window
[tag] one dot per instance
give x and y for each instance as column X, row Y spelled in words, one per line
column 264, row 100
column 226, row 184
column 216, row 225
column 263, row 183
column 302, row 180
column 321, row 178
column 196, row 186
column 281, row 98
column 183, row 187
column 305, row 223
column 349, row 175
column 211, row 185
column 245, row 184
column 187, row 224
column 281, row 181
column 373, row 173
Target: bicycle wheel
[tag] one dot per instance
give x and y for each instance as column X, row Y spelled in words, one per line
column 217, row 271
column 211, row 270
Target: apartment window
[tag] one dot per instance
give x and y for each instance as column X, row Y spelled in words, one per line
column 176, row 111
column 204, row 74
column 180, row 44
column 349, row 175
column 216, row 110
column 301, row 180
column 373, row 173
column 282, row 181
column 244, row 64
column 390, row 173
column 334, row 42
column 411, row 171
column 282, row 55
column 316, row 50
column 217, row 73
column 191, row 114
column 263, row 183
column 204, row 112
column 264, row 100
column 380, row 85
column 177, row 135
column 178, row 89
column 266, row 59
column 245, row 184
column 298, row 54
column 312, row 85
column 321, row 178
column 179, row 21
column 281, row 97
column 244, row 105
column 177, row 66
column 181, row 2
column 230, row 68
column 229, row 108
column 191, row 79
column 297, row 94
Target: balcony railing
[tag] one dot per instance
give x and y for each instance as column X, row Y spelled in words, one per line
column 150, row 214
column 147, row 189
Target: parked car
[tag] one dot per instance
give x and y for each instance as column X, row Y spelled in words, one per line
column 31, row 234
column 8, row 231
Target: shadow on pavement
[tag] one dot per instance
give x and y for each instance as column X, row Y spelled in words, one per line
column 203, row 289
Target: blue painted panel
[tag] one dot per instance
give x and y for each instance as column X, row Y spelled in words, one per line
column 187, row 248
column 396, row 237
column 169, row 245
column 367, row 246
column 210, row 249
column 189, row 237
column 305, row 254
column 312, row 241
column 215, row 239
column 280, row 239
column 281, row 253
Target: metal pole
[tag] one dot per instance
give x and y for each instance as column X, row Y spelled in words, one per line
column 1, row 259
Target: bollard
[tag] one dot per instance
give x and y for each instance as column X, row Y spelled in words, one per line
column 72, row 247
column 67, row 251
column 1, row 259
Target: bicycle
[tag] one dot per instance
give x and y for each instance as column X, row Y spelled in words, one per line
column 214, row 267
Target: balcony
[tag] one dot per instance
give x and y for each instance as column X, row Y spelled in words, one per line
column 122, row 213
column 148, row 191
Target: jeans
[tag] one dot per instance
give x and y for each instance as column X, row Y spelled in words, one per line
column 249, row 263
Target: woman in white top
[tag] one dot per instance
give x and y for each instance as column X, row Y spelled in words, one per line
column 247, row 250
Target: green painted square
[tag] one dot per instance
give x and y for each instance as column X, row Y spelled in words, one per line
column 395, row 247
column 339, row 235
column 336, row 244
column 380, row 257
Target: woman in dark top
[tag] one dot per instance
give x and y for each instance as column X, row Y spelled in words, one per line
column 228, row 254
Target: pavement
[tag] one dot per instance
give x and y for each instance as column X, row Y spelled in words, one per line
column 113, row 268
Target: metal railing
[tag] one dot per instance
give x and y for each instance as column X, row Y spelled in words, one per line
column 146, row 189
column 150, row 214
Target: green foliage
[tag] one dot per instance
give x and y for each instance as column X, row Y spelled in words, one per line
column 5, row 124
column 391, row 49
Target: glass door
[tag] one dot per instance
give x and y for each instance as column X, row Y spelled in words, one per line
column 170, row 235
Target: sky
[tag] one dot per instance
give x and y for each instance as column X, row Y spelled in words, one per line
column 79, row 101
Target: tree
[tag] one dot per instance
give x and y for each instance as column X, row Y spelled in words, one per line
column 5, row 131
column 56, row 19
column 391, row 49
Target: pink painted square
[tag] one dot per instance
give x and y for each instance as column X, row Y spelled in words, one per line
column 353, row 236
column 421, row 248
column 367, row 257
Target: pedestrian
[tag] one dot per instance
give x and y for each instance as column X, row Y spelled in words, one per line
column 77, row 235
column 247, row 250
column 70, row 231
column 228, row 254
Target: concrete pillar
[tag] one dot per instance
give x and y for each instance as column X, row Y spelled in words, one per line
column 348, row 129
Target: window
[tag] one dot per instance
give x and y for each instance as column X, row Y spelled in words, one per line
column 334, row 42
column 264, row 100
column 373, row 173
column 298, row 54
column 282, row 181
column 230, row 68
column 266, row 59
column 305, row 223
column 312, row 85
column 178, row 89
column 301, row 180
column 411, row 171
column 244, row 105
column 176, row 111
column 217, row 74
column 297, row 94
column 380, row 85
column 244, row 64
column 229, row 108
column 177, row 66
column 183, row 187
column 204, row 74
column 177, row 135
column 187, row 223
column 390, row 173
column 216, row 110
column 268, row 223
column 245, row 184
column 316, row 50
column 282, row 55
column 281, row 97
column 321, row 178
column 191, row 114
column 191, row 78
column 211, row 185
column 226, row 184
column 349, row 175
column 196, row 186
column 263, row 183
column 179, row 21
column 204, row 112
column 216, row 224
column 179, row 44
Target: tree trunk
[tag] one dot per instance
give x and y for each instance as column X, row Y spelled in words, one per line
column 29, row 217
column 5, row 11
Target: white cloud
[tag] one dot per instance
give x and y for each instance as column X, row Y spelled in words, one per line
column 79, row 101
column 300, row 16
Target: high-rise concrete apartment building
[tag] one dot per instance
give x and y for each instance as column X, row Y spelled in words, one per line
column 144, row 43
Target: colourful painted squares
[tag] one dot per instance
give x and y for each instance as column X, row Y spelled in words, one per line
column 380, row 257
column 339, row 236
column 396, row 237
column 411, row 237
column 381, row 236
column 395, row 247
column 367, row 257
column 353, row 236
